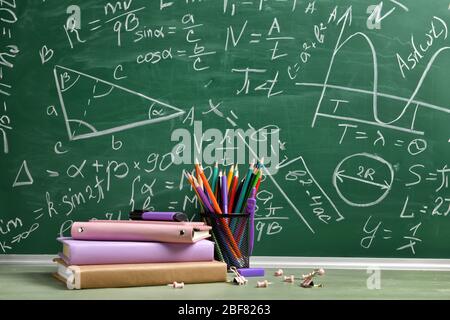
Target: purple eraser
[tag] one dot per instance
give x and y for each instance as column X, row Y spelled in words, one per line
column 251, row 272
column 164, row 216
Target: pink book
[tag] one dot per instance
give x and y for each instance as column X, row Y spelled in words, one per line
column 174, row 232
column 85, row 252
column 172, row 223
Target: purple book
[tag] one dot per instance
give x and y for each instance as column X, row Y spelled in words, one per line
column 83, row 252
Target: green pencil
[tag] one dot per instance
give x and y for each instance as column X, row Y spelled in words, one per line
column 244, row 189
column 214, row 177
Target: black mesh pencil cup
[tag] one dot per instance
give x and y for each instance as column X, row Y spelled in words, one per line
column 230, row 234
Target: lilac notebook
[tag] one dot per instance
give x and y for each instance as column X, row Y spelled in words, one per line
column 83, row 252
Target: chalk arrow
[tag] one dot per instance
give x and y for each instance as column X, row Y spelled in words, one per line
column 340, row 175
column 346, row 17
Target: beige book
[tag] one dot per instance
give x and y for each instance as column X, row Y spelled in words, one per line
column 142, row 274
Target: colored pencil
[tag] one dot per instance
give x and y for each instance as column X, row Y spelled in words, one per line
column 214, row 177
column 224, row 194
column 230, row 177
column 191, row 181
column 253, row 182
column 233, row 191
column 251, row 219
column 197, row 172
column 212, row 198
column 201, row 194
column 244, row 190
column 258, row 183
column 260, row 163
column 216, row 207
column 202, row 209
column 258, row 175
column 219, row 190
column 252, row 179
column 238, row 191
column 204, row 199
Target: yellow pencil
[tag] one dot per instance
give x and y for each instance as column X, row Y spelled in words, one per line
column 230, row 177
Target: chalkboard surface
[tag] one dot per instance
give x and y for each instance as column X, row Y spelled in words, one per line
column 105, row 104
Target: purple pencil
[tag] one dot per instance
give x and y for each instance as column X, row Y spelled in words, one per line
column 250, row 209
column 202, row 195
column 224, row 194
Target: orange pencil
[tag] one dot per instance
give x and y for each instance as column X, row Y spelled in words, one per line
column 197, row 172
column 208, row 190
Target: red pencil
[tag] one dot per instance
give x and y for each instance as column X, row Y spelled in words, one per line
column 258, row 183
column 233, row 191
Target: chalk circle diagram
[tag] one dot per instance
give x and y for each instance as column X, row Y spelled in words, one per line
column 363, row 179
column 93, row 107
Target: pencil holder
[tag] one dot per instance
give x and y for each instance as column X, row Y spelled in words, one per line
column 230, row 233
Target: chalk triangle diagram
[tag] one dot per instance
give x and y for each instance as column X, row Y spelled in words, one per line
column 23, row 177
column 93, row 107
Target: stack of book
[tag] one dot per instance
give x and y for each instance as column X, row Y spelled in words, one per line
column 109, row 254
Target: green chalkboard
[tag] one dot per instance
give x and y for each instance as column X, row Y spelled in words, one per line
column 105, row 104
